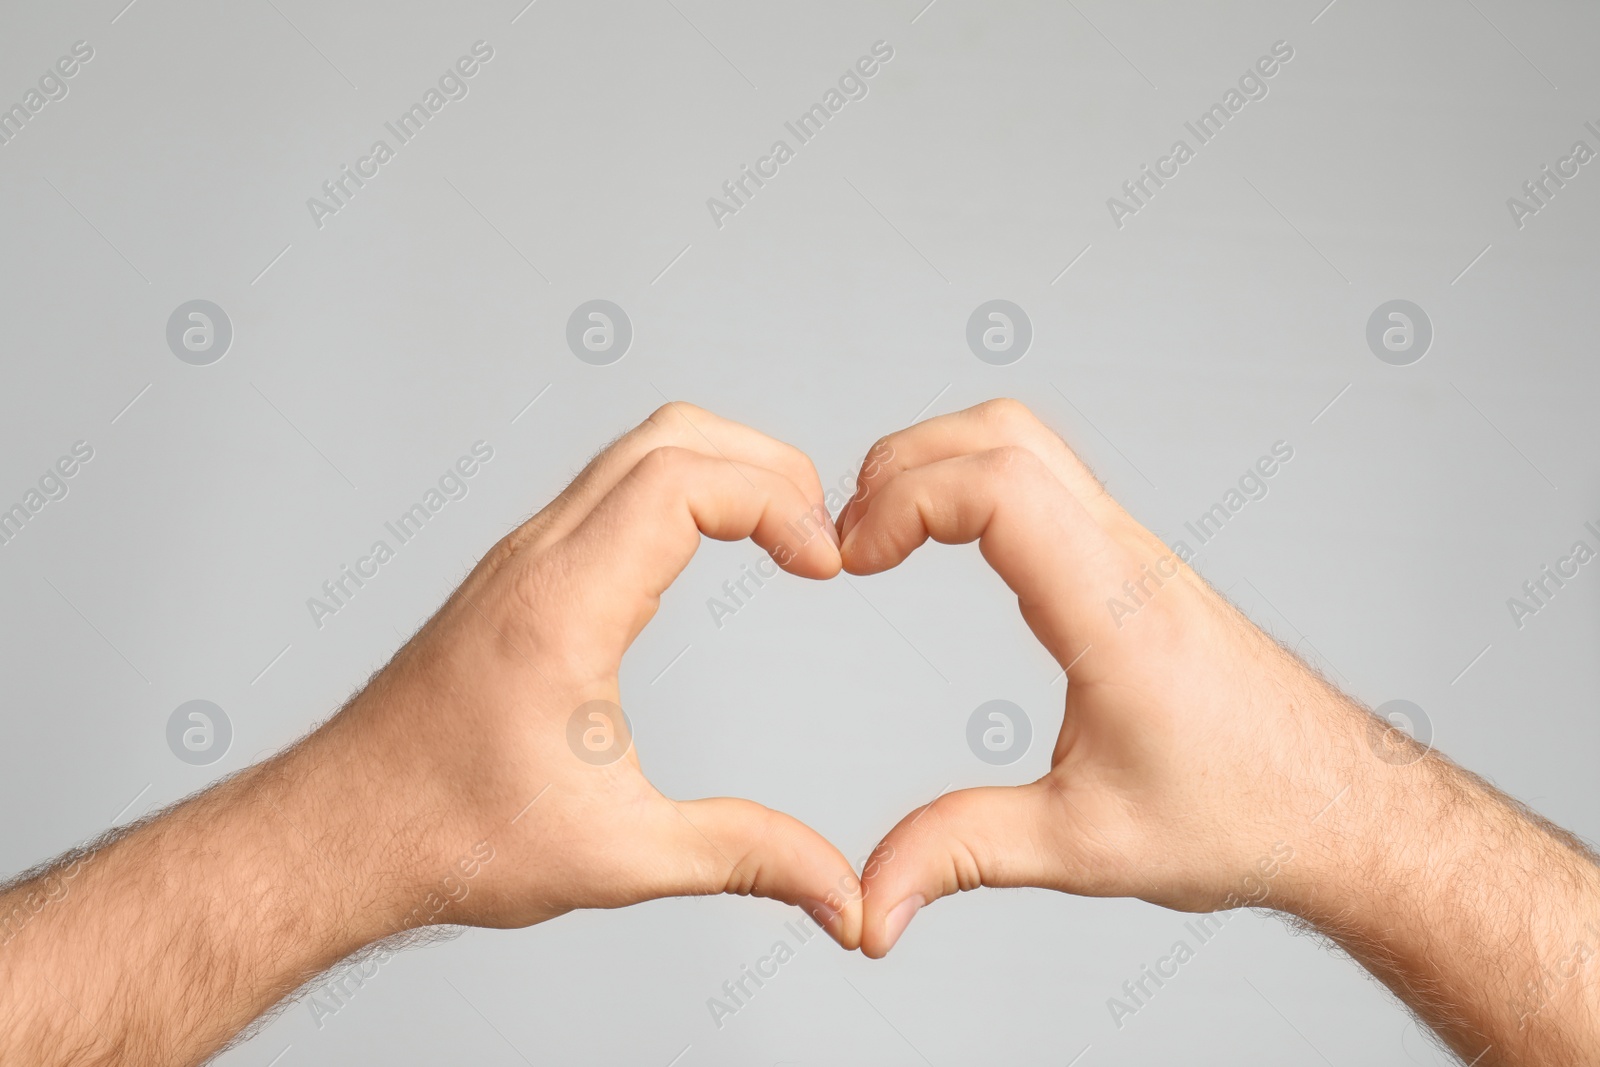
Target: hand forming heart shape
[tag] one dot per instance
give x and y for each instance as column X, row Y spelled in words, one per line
column 521, row 663
column 486, row 776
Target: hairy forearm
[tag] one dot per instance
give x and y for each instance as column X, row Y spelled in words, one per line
column 1483, row 917
column 162, row 944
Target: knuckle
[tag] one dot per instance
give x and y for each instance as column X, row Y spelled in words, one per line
column 503, row 551
column 756, row 825
column 1008, row 413
column 964, row 867
column 664, row 463
column 672, row 413
column 878, row 465
column 798, row 466
column 882, row 450
column 1012, row 463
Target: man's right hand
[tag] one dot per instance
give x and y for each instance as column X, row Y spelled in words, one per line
column 485, row 777
column 510, row 692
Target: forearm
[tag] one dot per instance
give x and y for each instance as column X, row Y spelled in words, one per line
column 166, row 942
column 1201, row 766
column 1480, row 915
column 468, row 783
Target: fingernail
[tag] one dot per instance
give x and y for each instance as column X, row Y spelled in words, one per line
column 820, row 913
column 895, row 923
column 833, row 533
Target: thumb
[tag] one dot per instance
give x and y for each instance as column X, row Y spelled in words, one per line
column 997, row 836
column 729, row 845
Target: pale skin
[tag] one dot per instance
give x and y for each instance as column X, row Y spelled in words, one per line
column 1195, row 755
column 1199, row 767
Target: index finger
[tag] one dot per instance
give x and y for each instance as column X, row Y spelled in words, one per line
column 993, row 424
column 637, row 540
column 675, row 424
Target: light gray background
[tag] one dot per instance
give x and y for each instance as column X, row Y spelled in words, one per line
column 1228, row 314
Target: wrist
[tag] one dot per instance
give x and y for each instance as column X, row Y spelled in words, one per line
column 1330, row 805
column 371, row 832
column 1347, row 828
